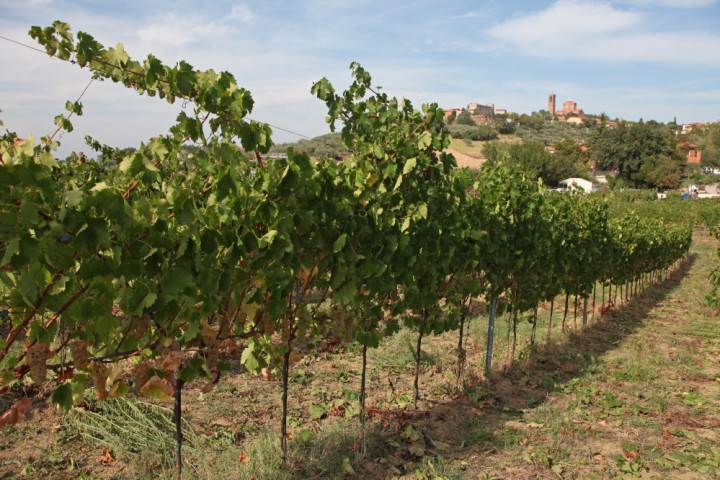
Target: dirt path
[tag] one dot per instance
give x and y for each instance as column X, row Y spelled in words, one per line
column 635, row 395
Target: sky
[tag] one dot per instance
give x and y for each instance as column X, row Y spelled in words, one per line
column 629, row 59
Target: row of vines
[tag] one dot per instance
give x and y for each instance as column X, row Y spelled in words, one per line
column 147, row 270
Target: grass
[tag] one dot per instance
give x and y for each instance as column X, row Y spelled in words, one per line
column 633, row 394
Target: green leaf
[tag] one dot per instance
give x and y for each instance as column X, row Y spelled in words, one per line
column 59, row 285
column 13, row 249
column 249, row 360
column 147, row 302
column 347, row 468
column 405, row 225
column 340, row 243
column 424, row 140
column 422, row 210
column 267, row 239
column 79, row 384
column 73, row 198
column 62, row 397
column 317, row 411
column 176, row 280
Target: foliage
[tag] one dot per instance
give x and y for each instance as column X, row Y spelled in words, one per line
column 536, row 162
column 645, row 155
column 707, row 139
column 464, row 118
column 325, row 146
column 476, row 133
column 551, row 132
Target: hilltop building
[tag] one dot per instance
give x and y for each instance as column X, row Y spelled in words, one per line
column 689, row 127
column 569, row 113
column 481, row 114
column 570, row 108
column 693, row 156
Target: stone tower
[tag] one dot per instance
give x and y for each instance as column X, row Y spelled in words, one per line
column 551, row 104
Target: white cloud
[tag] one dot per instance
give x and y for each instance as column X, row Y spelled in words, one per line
column 585, row 29
column 27, row 3
column 178, row 31
column 241, row 12
column 674, row 3
column 566, row 19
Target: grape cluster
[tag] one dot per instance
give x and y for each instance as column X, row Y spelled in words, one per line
column 79, row 351
column 142, row 326
column 100, row 375
column 36, row 358
column 209, row 336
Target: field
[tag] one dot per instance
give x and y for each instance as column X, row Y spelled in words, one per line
column 634, row 395
column 471, row 155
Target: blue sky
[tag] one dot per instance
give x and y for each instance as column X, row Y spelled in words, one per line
column 651, row 59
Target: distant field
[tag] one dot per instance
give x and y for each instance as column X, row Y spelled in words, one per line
column 471, row 155
column 475, row 149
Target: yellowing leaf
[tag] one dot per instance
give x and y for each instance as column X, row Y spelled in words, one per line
column 409, row 165
column 158, row 388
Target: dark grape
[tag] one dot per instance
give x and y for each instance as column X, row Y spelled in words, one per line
column 65, row 238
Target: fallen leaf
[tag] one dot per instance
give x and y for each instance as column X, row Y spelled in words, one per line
column 244, row 457
column 105, row 457
column 442, row 446
column 631, row 454
column 16, row 412
column 524, row 442
column 266, row 374
column 221, row 422
column 416, row 450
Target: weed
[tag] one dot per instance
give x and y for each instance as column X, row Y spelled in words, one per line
column 132, row 428
column 437, row 468
column 398, row 352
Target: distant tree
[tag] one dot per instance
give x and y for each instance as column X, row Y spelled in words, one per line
column 485, row 133
column 452, row 117
column 493, row 151
column 464, row 118
column 504, row 124
column 325, row 146
column 533, row 159
column 708, row 141
column 662, row 171
column 571, row 153
column 628, row 147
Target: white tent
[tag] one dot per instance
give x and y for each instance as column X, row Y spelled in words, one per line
column 576, row 184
